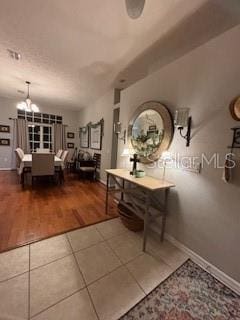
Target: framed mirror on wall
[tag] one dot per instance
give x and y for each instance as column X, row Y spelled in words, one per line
column 150, row 131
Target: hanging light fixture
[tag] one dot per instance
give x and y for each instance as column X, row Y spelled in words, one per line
column 135, row 8
column 27, row 105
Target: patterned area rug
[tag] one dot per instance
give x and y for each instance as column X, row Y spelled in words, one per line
column 189, row 293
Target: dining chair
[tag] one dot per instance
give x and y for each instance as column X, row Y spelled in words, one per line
column 71, row 161
column 42, row 150
column 19, row 156
column 59, row 153
column 64, row 157
column 42, row 165
column 19, row 153
column 60, row 171
column 90, row 167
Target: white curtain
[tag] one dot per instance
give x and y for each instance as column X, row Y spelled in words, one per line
column 22, row 138
column 59, row 137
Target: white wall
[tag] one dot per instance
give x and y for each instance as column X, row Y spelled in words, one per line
column 103, row 108
column 204, row 211
column 8, row 110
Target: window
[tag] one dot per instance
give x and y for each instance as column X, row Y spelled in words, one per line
column 40, row 136
column 40, row 128
column 37, row 117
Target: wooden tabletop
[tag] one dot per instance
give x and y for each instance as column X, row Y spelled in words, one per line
column 146, row 182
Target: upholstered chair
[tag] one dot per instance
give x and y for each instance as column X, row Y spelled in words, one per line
column 20, row 153
column 19, row 156
column 64, row 157
column 42, row 165
column 59, row 153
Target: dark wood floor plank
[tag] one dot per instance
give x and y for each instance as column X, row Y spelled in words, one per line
column 28, row 215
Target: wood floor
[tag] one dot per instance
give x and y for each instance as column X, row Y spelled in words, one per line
column 28, row 215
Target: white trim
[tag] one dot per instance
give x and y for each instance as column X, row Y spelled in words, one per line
column 210, row 268
column 6, row 169
column 103, row 182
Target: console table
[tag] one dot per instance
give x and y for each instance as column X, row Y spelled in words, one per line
column 141, row 192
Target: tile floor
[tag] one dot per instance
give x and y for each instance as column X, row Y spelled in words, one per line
column 98, row 272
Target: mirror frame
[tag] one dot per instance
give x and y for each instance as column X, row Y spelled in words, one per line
column 168, row 128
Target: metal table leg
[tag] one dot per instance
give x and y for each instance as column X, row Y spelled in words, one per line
column 106, row 201
column 146, row 221
column 164, row 218
column 123, row 186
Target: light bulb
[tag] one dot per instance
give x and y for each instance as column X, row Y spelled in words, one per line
column 34, row 108
column 22, row 105
column 28, row 102
column 28, row 108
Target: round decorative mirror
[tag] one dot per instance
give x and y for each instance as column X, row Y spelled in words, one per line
column 235, row 109
column 150, row 131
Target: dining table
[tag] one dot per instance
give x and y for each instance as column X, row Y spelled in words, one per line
column 26, row 165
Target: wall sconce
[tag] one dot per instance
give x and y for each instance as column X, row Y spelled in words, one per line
column 183, row 120
column 117, row 127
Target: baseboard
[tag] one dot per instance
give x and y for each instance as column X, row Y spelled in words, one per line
column 6, row 169
column 210, row 268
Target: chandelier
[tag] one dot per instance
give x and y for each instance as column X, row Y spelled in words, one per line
column 27, row 105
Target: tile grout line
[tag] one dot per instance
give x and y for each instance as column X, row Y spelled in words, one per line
column 90, row 298
column 122, row 264
column 108, row 273
column 67, row 255
column 65, row 298
column 129, row 261
column 55, row 260
column 125, row 265
column 70, row 253
column 74, row 252
column 74, row 255
column 54, row 304
column 84, row 247
column 17, row 275
column 115, row 254
column 136, row 280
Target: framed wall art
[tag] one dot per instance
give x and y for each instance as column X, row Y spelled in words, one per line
column 70, row 145
column 70, row 135
column 96, row 132
column 4, row 142
column 84, row 137
column 4, row 128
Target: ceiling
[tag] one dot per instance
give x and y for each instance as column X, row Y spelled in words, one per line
column 74, row 51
